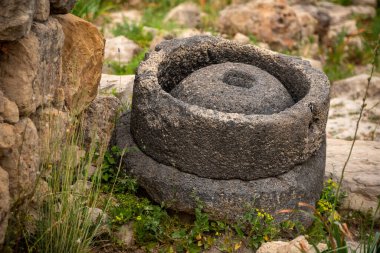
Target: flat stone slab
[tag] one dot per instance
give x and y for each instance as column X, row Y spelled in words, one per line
column 222, row 199
column 361, row 179
column 234, row 88
column 224, row 145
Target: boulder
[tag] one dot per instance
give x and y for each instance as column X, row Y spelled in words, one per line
column 7, row 136
column 372, row 3
column 21, row 161
column 42, row 10
column 368, row 12
column 186, row 14
column 125, row 235
column 120, row 49
column 82, row 59
column 299, row 244
column 361, row 179
column 99, row 120
column 119, row 86
column 61, row 6
column 16, row 18
column 31, row 67
column 241, row 38
column 8, row 110
column 5, row 203
column 354, row 87
column 273, row 22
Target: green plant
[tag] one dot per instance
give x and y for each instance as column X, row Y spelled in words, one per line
column 91, row 9
column 130, row 68
column 342, row 2
column 259, row 227
column 134, row 32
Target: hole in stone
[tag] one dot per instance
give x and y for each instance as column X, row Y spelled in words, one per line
column 238, row 78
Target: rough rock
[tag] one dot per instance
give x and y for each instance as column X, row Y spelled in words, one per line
column 372, row 3
column 210, row 139
column 337, row 13
column 362, row 175
column 97, row 215
column 52, row 125
column 61, row 6
column 345, row 106
column 241, row 38
column 314, row 63
column 309, row 24
column 273, row 22
column 234, row 88
column 119, row 86
column 16, row 18
column 7, row 136
column 354, row 87
column 299, row 244
column 120, row 49
column 223, row 199
column 31, row 67
column 42, row 11
column 186, row 14
column 8, row 110
column 21, row 161
column 5, row 203
column 363, row 11
column 125, row 235
column 82, row 59
column 99, row 120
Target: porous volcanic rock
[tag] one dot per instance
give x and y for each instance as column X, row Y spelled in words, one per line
column 223, row 199
column 219, row 145
column 235, row 88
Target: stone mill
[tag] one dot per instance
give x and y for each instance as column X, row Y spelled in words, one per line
column 233, row 126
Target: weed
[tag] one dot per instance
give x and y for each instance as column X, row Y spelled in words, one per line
column 134, row 32
column 91, row 9
column 129, row 68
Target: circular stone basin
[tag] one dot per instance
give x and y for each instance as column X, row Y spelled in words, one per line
column 212, row 143
column 235, row 88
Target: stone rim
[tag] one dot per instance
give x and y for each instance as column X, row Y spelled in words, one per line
column 295, row 133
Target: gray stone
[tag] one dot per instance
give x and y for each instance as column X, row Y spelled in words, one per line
column 61, row 6
column 234, row 88
column 361, row 180
column 120, row 49
column 16, row 18
column 372, row 3
column 186, row 14
column 99, row 120
column 31, row 67
column 223, row 145
column 223, row 199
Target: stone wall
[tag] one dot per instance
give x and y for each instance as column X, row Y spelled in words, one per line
column 50, row 65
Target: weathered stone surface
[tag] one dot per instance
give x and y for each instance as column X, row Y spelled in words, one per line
column 125, row 235
column 362, row 175
column 31, row 67
column 223, row 198
column 363, row 11
column 354, row 87
column 193, row 139
column 21, row 161
column 186, row 14
column 309, row 24
column 119, row 86
column 82, row 59
column 49, row 74
column 299, row 244
column 5, row 203
column 273, row 22
column 8, row 110
column 99, row 120
column 241, row 38
column 16, row 18
column 61, row 6
column 372, row 3
column 345, row 106
column 7, row 136
column 42, row 11
column 51, row 125
column 120, row 49
column 234, row 88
